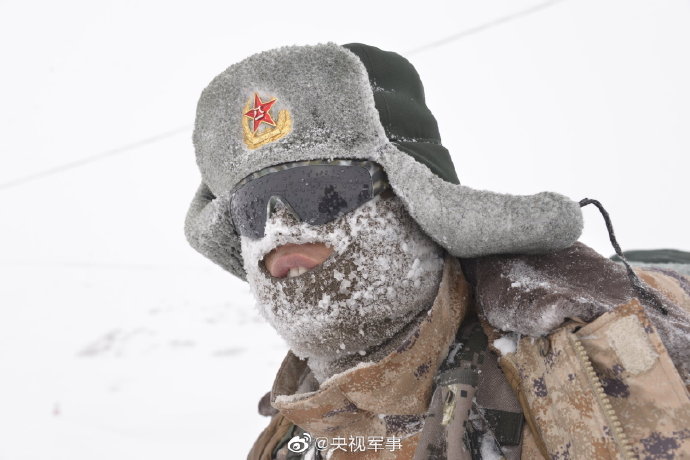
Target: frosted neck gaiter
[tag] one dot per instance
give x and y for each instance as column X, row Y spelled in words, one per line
column 384, row 271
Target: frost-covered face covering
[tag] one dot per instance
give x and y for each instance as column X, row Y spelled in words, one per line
column 316, row 192
column 383, row 272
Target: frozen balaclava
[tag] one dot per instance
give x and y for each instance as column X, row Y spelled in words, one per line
column 384, row 271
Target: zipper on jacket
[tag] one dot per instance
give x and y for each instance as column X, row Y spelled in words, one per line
column 616, row 427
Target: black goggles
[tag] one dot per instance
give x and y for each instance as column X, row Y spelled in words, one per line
column 316, row 192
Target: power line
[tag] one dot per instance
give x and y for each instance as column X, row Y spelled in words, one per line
column 99, row 156
column 483, row 27
column 93, row 158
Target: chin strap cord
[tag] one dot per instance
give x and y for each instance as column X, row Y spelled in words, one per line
column 643, row 291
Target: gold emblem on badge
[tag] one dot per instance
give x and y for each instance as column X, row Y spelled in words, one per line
column 261, row 113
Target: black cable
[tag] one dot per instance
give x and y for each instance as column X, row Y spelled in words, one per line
column 98, row 156
column 643, row 291
column 92, row 158
column 482, row 27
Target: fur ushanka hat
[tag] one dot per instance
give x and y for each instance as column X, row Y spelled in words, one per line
column 343, row 102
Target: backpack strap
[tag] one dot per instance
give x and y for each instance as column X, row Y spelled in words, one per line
column 472, row 403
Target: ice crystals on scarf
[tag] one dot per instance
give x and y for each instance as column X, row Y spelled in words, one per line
column 383, row 271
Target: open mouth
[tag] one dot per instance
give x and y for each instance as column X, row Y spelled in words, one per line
column 292, row 260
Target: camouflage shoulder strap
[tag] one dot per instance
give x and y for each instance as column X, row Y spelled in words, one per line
column 465, row 412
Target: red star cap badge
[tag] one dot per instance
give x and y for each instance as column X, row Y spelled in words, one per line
column 260, row 112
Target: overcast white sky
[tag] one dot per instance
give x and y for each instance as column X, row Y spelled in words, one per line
column 586, row 98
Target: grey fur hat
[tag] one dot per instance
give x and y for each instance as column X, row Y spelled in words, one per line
column 352, row 102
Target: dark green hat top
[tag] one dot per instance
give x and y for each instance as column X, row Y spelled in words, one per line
column 399, row 100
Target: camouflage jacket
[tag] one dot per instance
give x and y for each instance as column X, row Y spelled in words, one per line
column 599, row 385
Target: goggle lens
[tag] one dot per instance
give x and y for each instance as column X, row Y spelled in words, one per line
column 317, row 194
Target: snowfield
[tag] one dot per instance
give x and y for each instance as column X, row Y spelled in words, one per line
column 118, row 341
column 114, row 363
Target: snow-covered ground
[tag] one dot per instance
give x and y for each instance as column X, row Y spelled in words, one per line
column 120, row 362
column 118, row 341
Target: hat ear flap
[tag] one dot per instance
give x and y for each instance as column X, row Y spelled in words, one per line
column 209, row 229
column 474, row 223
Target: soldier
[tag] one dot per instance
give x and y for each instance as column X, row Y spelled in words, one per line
column 425, row 319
